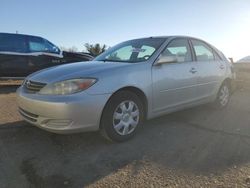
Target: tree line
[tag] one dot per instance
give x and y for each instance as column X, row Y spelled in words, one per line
column 92, row 49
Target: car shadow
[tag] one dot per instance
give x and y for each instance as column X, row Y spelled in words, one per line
column 43, row 159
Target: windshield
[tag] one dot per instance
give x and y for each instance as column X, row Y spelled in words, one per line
column 132, row 51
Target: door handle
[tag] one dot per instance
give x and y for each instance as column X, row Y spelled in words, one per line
column 193, row 70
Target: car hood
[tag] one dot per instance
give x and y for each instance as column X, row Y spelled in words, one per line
column 73, row 70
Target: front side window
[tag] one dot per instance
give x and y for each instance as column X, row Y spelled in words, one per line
column 13, row 43
column 216, row 56
column 36, row 44
column 202, row 51
column 51, row 48
column 132, row 51
column 178, row 48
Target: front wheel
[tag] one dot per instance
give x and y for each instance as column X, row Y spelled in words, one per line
column 122, row 116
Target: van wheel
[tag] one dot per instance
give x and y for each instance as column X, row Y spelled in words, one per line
column 223, row 96
column 122, row 116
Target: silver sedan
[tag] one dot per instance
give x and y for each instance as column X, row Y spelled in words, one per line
column 132, row 81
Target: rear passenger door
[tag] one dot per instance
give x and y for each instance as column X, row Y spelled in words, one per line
column 210, row 69
column 13, row 55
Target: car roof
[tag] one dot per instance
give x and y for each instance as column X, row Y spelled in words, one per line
column 20, row 35
column 161, row 37
column 177, row 36
column 172, row 37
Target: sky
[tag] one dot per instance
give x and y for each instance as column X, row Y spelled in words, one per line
column 223, row 23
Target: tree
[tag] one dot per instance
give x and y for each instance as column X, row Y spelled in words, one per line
column 71, row 49
column 95, row 49
column 114, row 56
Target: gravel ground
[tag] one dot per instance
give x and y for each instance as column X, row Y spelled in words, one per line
column 10, row 82
column 199, row 147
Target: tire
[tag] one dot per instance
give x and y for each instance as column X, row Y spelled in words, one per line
column 122, row 116
column 223, row 96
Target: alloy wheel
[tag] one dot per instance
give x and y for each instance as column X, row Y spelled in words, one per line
column 126, row 117
column 224, row 95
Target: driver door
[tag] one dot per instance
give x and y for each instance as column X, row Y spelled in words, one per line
column 175, row 84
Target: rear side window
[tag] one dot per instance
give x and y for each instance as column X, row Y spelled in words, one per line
column 13, row 43
column 180, row 49
column 202, row 51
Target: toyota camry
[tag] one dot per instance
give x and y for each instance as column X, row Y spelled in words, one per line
column 131, row 82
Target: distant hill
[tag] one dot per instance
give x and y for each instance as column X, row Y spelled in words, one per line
column 244, row 60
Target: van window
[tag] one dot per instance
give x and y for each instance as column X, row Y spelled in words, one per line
column 13, row 43
column 51, row 48
column 36, row 44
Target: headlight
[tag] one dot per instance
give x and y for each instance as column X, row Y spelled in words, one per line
column 68, row 86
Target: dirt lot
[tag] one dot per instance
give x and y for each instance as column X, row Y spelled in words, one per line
column 199, row 147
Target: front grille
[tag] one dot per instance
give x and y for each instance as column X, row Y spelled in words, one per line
column 33, row 87
column 27, row 115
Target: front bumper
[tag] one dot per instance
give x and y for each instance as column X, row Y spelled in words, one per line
column 62, row 114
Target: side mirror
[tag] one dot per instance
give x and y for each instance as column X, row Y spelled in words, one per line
column 166, row 59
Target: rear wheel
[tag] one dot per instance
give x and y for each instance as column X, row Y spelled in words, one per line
column 223, row 96
column 122, row 116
